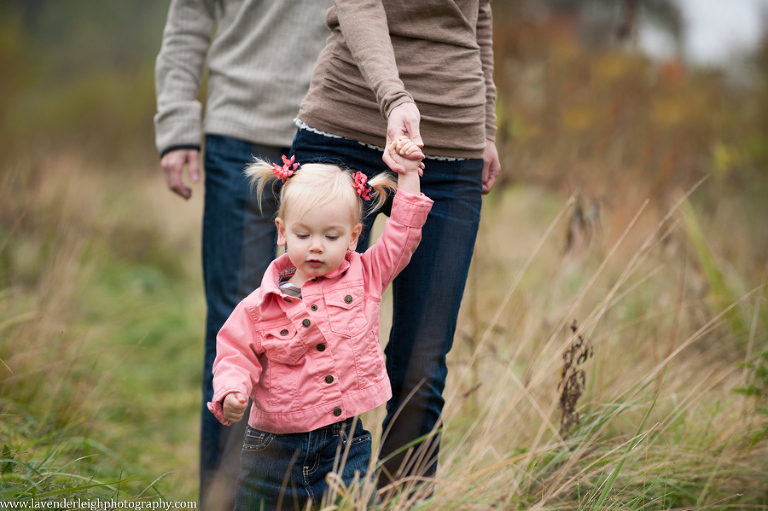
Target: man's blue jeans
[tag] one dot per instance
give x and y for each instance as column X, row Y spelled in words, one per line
column 238, row 245
column 426, row 295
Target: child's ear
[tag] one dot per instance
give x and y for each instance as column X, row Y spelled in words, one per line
column 280, row 232
column 355, row 236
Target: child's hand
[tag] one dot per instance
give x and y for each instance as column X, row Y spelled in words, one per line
column 408, row 148
column 406, row 153
column 234, row 406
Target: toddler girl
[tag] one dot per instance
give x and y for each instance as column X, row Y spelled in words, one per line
column 305, row 346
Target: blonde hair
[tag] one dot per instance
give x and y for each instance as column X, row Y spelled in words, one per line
column 317, row 184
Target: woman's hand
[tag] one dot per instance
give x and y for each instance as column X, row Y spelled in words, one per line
column 404, row 119
column 491, row 165
column 234, row 406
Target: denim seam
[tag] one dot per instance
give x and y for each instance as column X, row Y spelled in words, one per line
column 262, row 441
column 313, row 456
column 361, row 439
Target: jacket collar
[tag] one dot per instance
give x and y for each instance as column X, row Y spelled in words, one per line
column 270, row 284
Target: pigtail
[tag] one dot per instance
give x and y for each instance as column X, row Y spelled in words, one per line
column 261, row 174
column 314, row 183
column 383, row 184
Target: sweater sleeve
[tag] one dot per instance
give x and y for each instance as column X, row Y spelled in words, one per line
column 366, row 33
column 392, row 252
column 236, row 368
column 485, row 41
column 179, row 71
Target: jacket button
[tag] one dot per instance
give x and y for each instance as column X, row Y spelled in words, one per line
column 337, row 411
column 306, row 322
column 284, row 332
column 321, row 347
column 348, row 298
column 329, row 379
column 287, row 299
column 314, row 307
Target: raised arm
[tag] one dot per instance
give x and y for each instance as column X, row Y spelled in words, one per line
column 402, row 232
column 366, row 32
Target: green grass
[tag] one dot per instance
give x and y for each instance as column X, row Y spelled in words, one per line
column 51, row 465
column 102, row 350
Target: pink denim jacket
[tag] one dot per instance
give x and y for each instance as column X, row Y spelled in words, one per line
column 314, row 361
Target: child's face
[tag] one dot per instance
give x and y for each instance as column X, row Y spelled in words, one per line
column 318, row 241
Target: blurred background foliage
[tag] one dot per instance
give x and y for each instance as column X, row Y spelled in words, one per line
column 572, row 87
column 79, row 75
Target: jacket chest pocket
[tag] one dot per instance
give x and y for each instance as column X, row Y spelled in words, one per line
column 282, row 343
column 346, row 311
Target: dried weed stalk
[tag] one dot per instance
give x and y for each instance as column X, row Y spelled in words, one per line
column 573, row 380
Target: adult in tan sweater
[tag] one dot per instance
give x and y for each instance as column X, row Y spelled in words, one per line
column 424, row 69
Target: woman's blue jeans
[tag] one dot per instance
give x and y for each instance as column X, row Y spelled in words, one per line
column 286, row 471
column 238, row 244
column 426, row 296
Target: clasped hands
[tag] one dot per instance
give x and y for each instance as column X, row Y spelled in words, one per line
column 404, row 120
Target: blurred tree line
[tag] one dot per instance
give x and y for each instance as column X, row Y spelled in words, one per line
column 78, row 75
column 577, row 100
column 581, row 107
column 600, row 23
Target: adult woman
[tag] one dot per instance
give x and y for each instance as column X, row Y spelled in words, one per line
column 423, row 69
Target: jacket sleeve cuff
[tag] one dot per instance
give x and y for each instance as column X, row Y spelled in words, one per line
column 410, row 210
column 216, row 408
column 216, row 405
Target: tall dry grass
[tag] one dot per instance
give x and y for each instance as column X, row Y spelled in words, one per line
column 85, row 319
column 89, row 292
column 661, row 426
column 658, row 348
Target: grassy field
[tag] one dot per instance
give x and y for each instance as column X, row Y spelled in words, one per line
column 101, row 350
column 100, row 330
column 611, row 350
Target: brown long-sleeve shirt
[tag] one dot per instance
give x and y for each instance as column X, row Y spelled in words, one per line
column 381, row 53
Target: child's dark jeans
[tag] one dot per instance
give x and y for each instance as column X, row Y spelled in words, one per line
column 285, row 471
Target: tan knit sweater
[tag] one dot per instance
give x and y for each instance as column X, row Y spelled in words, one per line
column 382, row 53
column 259, row 67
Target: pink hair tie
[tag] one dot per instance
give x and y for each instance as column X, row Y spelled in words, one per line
column 288, row 168
column 364, row 190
